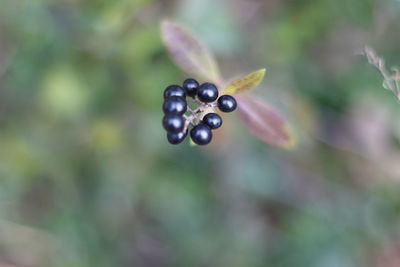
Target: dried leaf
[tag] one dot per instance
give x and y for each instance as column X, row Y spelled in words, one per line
column 245, row 83
column 188, row 52
column 264, row 122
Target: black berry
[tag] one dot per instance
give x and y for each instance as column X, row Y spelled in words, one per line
column 174, row 90
column 212, row 120
column 227, row 103
column 201, row 134
column 174, row 105
column 173, row 123
column 190, row 85
column 207, row 92
column 176, row 138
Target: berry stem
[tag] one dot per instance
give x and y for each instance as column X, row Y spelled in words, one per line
column 193, row 117
column 203, row 107
column 187, row 122
column 190, row 119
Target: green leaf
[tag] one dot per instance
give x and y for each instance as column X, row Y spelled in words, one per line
column 245, row 83
column 264, row 122
column 188, row 52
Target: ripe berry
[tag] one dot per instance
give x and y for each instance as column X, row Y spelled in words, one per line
column 227, row 103
column 173, row 123
column 201, row 134
column 174, row 90
column 213, row 120
column 174, row 105
column 207, row 92
column 190, row 85
column 176, row 138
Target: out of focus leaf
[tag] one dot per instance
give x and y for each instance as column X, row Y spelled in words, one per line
column 188, row 52
column 64, row 93
column 264, row 122
column 245, row 83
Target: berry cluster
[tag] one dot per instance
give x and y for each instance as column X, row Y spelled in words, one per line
column 178, row 116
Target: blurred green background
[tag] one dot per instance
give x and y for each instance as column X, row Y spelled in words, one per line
column 87, row 177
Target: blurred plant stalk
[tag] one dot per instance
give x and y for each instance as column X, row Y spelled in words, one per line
column 391, row 81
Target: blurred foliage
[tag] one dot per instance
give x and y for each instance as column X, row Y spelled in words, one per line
column 87, row 178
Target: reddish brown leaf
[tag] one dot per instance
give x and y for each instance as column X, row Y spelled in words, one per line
column 264, row 122
column 188, row 52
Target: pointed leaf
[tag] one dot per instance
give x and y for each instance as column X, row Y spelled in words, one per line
column 245, row 83
column 264, row 122
column 188, row 52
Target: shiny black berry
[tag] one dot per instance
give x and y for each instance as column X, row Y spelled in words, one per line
column 227, row 103
column 212, row 120
column 173, row 123
column 190, row 85
column 174, row 105
column 174, row 90
column 207, row 92
column 176, row 138
column 201, row 134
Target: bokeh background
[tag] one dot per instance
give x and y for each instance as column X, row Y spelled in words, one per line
column 88, row 179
